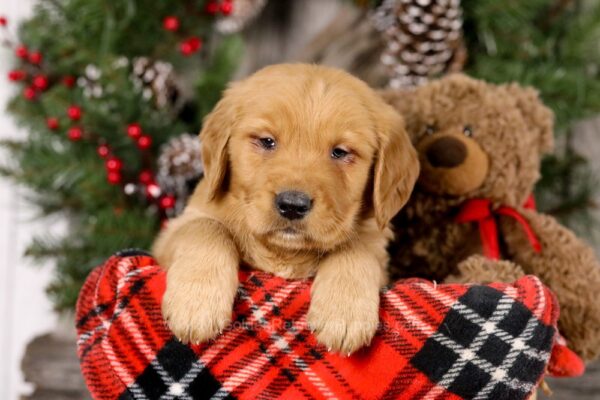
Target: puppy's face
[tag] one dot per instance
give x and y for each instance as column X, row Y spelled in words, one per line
column 301, row 152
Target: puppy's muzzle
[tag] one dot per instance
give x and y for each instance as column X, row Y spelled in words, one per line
column 293, row 204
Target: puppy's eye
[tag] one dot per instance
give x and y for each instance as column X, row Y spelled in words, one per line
column 267, row 143
column 468, row 131
column 339, row 153
column 429, row 130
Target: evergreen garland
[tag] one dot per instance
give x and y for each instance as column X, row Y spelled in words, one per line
column 87, row 49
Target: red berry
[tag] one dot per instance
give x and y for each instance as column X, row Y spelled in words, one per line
column 113, row 164
column 21, row 51
column 153, row 190
column 103, row 150
column 40, row 82
column 167, row 202
column 17, row 75
column 186, row 49
column 144, row 142
column 195, row 42
column 3, row 21
column 171, row 23
column 52, row 123
column 226, row 7
column 146, row 177
column 114, row 177
column 29, row 93
column 212, row 7
column 69, row 81
column 35, row 57
column 190, row 46
column 74, row 113
column 75, row 133
column 134, row 130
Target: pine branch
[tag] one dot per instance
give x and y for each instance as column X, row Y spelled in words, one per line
column 68, row 177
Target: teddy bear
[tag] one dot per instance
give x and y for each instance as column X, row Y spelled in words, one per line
column 471, row 217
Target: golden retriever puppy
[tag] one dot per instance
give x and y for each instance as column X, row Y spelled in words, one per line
column 304, row 167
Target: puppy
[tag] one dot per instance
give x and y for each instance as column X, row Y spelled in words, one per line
column 304, row 168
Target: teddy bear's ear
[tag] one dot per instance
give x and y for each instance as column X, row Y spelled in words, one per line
column 539, row 118
column 411, row 104
column 400, row 99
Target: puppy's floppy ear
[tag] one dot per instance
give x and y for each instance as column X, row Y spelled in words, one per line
column 215, row 134
column 396, row 166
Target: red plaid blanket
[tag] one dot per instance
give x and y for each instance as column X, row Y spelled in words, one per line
column 434, row 342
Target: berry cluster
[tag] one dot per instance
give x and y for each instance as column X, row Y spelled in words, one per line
column 30, row 73
column 193, row 44
column 225, row 7
column 134, row 131
column 35, row 81
column 33, row 76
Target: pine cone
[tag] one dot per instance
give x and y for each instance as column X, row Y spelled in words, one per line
column 180, row 168
column 90, row 82
column 424, row 39
column 156, row 80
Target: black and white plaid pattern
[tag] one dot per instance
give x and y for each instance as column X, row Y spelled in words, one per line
column 479, row 354
column 480, row 342
column 489, row 347
column 176, row 373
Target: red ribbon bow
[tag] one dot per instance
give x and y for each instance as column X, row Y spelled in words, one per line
column 480, row 211
column 563, row 362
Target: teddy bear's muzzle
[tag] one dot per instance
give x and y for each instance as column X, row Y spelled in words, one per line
column 451, row 163
column 446, row 152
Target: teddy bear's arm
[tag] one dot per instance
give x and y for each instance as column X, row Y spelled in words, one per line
column 480, row 269
column 569, row 267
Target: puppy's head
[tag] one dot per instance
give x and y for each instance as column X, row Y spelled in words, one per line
column 305, row 152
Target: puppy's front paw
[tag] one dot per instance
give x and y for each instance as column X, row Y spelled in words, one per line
column 197, row 311
column 343, row 322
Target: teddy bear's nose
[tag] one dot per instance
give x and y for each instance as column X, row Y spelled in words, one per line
column 446, row 152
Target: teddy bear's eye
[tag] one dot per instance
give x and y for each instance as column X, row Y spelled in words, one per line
column 429, row 129
column 468, row 131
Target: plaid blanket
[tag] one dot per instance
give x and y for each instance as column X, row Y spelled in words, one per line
column 434, row 342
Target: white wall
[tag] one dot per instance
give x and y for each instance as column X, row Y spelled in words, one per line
column 24, row 309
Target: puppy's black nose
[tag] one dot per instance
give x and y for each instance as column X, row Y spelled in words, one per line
column 446, row 152
column 293, row 204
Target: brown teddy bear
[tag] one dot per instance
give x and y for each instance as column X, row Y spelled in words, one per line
column 471, row 216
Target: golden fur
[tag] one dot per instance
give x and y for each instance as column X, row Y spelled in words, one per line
column 231, row 219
